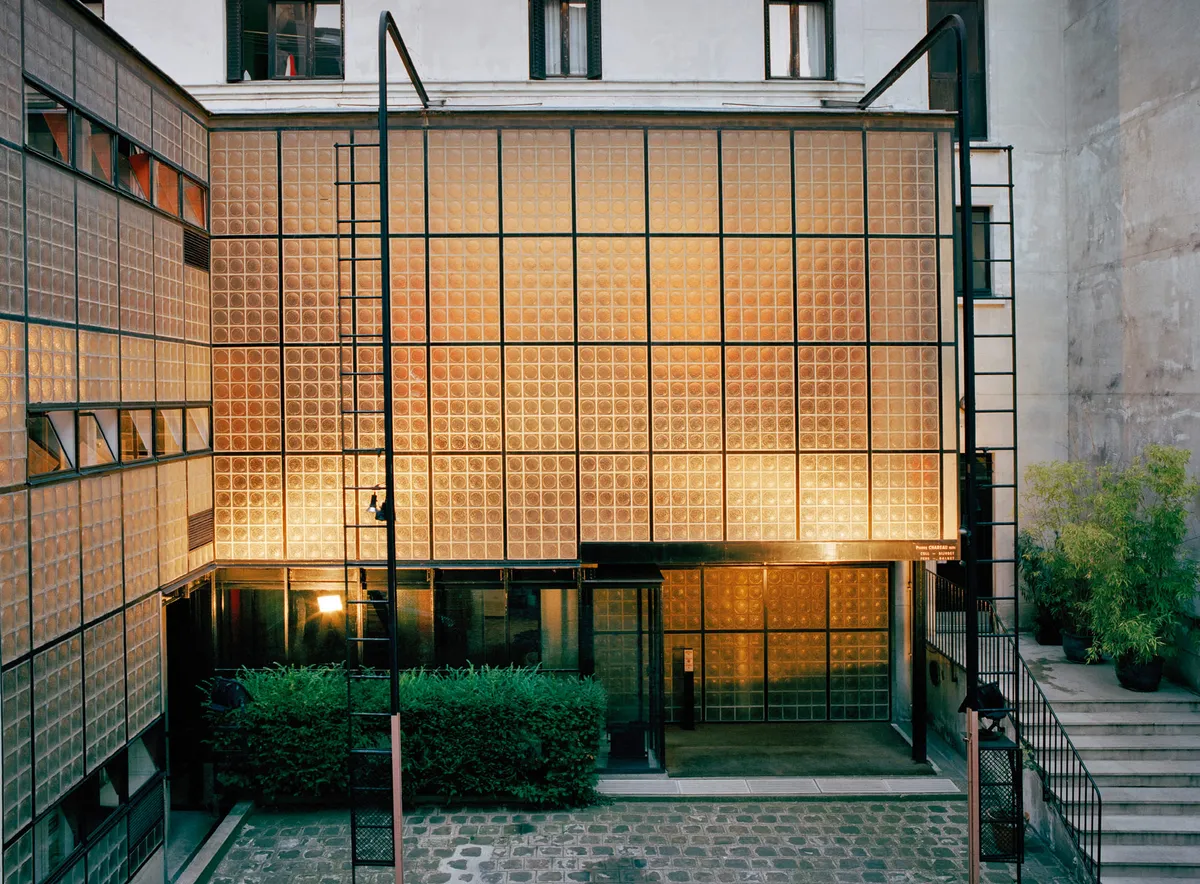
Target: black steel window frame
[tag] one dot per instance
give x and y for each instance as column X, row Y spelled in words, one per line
column 794, row 37
column 981, row 220
column 236, row 61
column 537, row 41
column 943, row 66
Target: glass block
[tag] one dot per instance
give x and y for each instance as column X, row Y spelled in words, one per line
column 541, row 506
column 905, row 497
column 172, row 522
column 168, row 128
column 411, row 507
column 52, row 364
column 463, row 192
column 312, row 399
column 756, row 181
column 108, row 856
column 796, row 599
column 54, row 560
column 57, row 720
column 733, row 598
column 12, row 403
column 246, row 399
column 14, row 576
column 673, row 644
column 760, row 500
column 904, row 398
column 733, row 677
column 797, row 675
column 133, row 105
column 832, row 387
column 98, row 271
column 759, row 296
column 198, row 373
column 468, row 507
column 858, row 676
column 244, row 194
column 139, row 505
column 168, row 278
column 900, row 183
column 686, row 385
column 12, row 221
column 11, row 122
column 858, row 598
column 829, row 182
column 831, row 290
column 199, row 485
column 614, row 492
column 137, row 369
column 50, row 241
column 904, row 290
column 465, row 401
column 245, row 291
column 536, row 170
column 611, row 289
column 314, row 516
column 685, row 290
column 683, row 182
column 362, row 392
column 408, row 290
column 688, row 500
column 310, row 291
column 104, row 689
column 100, row 544
column 17, row 767
column 194, row 145
column 143, row 665
column 464, row 290
column 136, row 236
column 308, row 167
column 95, row 78
column 538, row 290
column 169, row 367
column 614, row 399
column 410, row 398
column 610, row 181
column 406, row 180
column 760, row 399
column 681, row 601
column 248, row 499
column 834, row 497
column 48, row 48
column 539, row 398
column 197, row 305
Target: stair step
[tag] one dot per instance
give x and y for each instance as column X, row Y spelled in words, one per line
column 1094, row 723
column 1134, row 829
column 1164, row 861
column 1139, row 800
column 1152, row 772
column 1175, row 704
column 1154, row 747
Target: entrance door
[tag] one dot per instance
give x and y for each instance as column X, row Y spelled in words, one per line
column 780, row 643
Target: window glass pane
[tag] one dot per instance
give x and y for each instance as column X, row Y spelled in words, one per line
column 198, row 437
column 168, row 432
column 55, row 836
column 470, row 627
column 47, row 125
column 560, row 628
column 577, row 32
column 290, row 28
column 195, row 198
column 133, row 169
column 981, row 247
column 779, row 20
column 316, row 618
column 254, row 40
column 524, row 626
column 812, row 40
column 46, row 452
column 135, row 435
column 94, row 149
column 327, row 40
column 249, row 619
column 553, row 38
column 166, row 188
column 95, row 447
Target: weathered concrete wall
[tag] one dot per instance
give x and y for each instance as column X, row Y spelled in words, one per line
column 1133, row 196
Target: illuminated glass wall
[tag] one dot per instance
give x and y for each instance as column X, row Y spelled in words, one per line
column 602, row 334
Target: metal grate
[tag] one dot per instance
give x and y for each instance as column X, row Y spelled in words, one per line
column 197, row 250
column 200, row 529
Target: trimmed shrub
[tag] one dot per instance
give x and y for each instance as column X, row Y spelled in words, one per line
column 488, row 733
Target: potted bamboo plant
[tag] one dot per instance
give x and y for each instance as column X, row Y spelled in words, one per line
column 1140, row 573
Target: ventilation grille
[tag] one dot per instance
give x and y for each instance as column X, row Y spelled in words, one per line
column 196, row 250
column 200, row 529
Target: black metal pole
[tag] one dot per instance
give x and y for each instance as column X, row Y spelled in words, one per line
column 920, row 695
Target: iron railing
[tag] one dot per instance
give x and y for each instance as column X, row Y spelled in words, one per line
column 1067, row 786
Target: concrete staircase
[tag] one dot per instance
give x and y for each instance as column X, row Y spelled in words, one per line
column 1143, row 751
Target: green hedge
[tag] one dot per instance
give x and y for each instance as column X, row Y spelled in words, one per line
column 501, row 734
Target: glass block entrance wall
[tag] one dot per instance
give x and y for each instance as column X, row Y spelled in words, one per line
column 783, row 643
column 605, row 333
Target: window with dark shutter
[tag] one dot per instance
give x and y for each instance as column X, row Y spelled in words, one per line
column 537, row 40
column 943, row 64
column 564, row 39
column 233, row 40
column 593, row 39
column 284, row 39
column 799, row 39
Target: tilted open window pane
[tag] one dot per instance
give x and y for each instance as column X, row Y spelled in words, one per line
column 94, row 146
column 47, row 125
column 137, row 441
column 195, row 199
column 166, row 188
column 168, row 431
column 47, row 452
column 198, row 436
column 97, row 438
column 133, row 169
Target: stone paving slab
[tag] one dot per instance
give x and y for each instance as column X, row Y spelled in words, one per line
column 864, row 841
column 717, row 787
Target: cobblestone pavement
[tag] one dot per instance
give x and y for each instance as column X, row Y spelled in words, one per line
column 844, row 842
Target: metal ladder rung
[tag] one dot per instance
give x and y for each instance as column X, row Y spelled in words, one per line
column 365, row 639
column 342, row 259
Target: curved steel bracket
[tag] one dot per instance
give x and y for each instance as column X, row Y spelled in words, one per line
column 388, row 28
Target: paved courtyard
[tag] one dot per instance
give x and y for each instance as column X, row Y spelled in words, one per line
column 850, row 841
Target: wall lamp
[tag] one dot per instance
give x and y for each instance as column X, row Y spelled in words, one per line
column 329, row 604
column 379, row 510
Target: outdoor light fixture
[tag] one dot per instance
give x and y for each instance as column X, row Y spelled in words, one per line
column 329, row 604
column 991, row 706
column 373, row 506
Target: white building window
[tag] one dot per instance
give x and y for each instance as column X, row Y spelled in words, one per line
column 564, row 38
column 284, row 39
column 798, row 40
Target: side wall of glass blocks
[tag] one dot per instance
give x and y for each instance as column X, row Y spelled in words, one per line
column 99, row 310
column 601, row 334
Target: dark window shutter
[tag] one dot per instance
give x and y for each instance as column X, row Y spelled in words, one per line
column 593, row 50
column 537, row 39
column 233, row 40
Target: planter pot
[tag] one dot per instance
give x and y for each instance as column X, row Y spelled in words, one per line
column 1076, row 645
column 1141, row 677
column 1047, row 632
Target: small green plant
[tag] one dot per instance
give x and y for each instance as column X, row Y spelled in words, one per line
column 503, row 734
